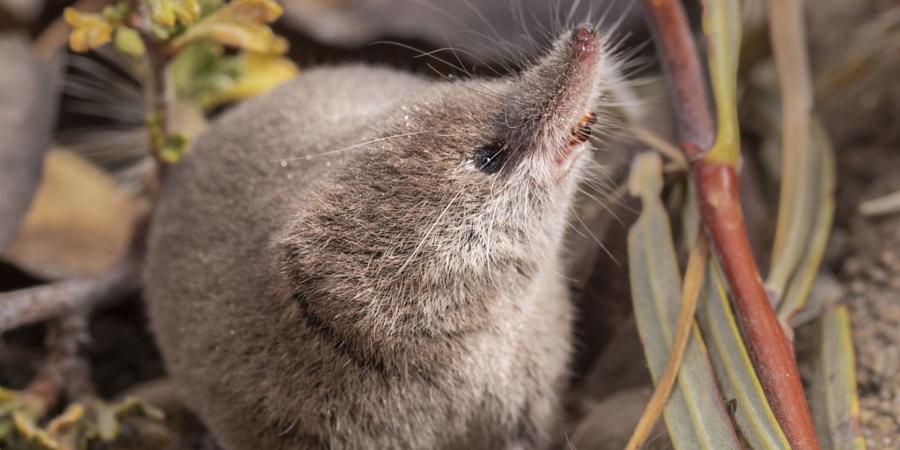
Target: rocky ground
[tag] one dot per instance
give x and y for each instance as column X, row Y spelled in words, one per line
column 870, row 274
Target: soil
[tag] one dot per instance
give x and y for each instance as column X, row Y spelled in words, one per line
column 870, row 274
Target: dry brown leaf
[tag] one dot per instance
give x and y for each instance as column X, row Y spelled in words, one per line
column 79, row 223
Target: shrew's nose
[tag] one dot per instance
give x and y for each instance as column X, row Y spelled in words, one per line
column 584, row 39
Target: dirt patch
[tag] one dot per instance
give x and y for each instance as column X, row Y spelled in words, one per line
column 871, row 276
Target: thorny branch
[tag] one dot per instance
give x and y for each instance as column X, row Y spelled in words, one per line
column 717, row 190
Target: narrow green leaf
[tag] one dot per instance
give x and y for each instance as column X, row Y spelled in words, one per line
column 168, row 13
column 695, row 415
column 835, row 405
column 734, row 370
column 821, row 193
column 796, row 204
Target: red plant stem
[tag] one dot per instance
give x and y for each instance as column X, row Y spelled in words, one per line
column 720, row 208
column 772, row 354
column 692, row 111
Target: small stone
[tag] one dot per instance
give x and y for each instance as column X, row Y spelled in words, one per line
column 853, row 266
column 889, row 259
column 877, row 275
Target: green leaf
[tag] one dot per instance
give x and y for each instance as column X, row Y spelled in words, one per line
column 796, row 203
column 240, row 23
column 135, row 407
column 173, row 148
column 734, row 370
column 201, row 70
column 208, row 6
column 89, row 31
column 128, row 41
column 27, row 435
column 258, row 74
column 722, row 26
column 117, row 13
column 835, row 405
column 168, row 13
column 19, row 413
column 818, row 220
column 66, row 428
column 204, row 74
column 695, row 415
column 97, row 424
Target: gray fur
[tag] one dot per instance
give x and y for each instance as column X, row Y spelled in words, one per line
column 311, row 292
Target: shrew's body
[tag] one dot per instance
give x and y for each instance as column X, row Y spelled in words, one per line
column 368, row 259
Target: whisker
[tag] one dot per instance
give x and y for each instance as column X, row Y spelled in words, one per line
column 597, row 241
column 357, row 145
column 422, row 53
column 428, row 233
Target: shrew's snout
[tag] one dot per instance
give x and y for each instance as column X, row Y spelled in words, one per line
column 555, row 99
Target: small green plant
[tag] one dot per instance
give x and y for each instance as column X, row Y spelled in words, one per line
column 184, row 43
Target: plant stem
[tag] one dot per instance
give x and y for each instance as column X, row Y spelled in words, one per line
column 769, row 348
column 66, row 368
column 155, row 94
column 717, row 190
column 690, row 99
column 156, row 58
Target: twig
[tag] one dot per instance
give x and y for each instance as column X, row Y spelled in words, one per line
column 717, row 189
column 72, row 335
column 156, row 59
column 65, row 368
column 27, row 306
column 659, row 144
column 880, row 206
column 693, row 278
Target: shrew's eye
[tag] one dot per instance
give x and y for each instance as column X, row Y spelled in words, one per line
column 490, row 158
